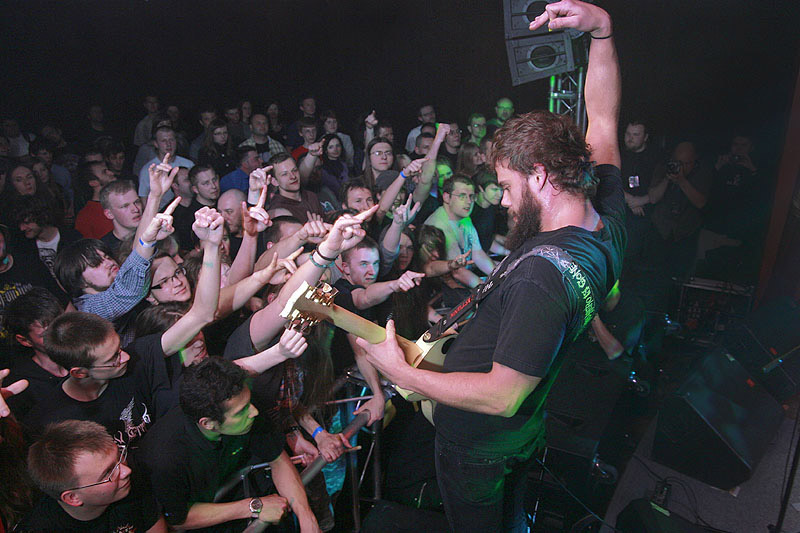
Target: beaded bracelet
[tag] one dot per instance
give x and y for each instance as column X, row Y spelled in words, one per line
column 311, row 258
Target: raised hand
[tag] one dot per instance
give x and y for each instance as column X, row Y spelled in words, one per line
column 7, row 392
column 161, row 176
column 161, row 225
column 256, row 219
column 315, row 149
column 292, row 344
column 404, row 214
column 574, row 14
column 313, row 231
column 346, row 233
column 415, row 167
column 208, row 225
column 371, row 121
column 278, row 271
column 258, row 179
column 460, row 261
column 441, row 132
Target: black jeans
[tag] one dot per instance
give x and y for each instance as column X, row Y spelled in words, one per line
column 482, row 491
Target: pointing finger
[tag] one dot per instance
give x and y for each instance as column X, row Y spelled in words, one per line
column 166, row 158
column 263, row 198
column 366, row 214
column 172, row 206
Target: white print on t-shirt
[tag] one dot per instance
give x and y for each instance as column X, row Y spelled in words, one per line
column 127, row 528
column 132, row 431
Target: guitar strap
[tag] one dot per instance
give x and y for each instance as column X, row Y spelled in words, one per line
column 565, row 264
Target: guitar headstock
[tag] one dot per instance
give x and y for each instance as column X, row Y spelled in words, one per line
column 308, row 305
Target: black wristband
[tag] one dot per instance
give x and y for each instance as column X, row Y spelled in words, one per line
column 609, row 36
column 326, row 258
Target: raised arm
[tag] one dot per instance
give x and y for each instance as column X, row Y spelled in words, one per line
column 307, row 164
column 389, row 195
column 603, row 86
column 425, row 182
column 161, row 177
column 379, row 292
column 313, row 231
column 345, row 233
column 208, row 228
column 254, row 221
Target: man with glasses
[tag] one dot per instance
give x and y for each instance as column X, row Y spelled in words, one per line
column 88, row 484
column 104, row 384
column 94, row 279
column 461, row 237
column 503, row 110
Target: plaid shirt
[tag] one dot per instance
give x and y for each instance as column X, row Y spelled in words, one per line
column 128, row 289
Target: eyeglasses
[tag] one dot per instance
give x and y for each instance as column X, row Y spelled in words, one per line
column 113, row 475
column 463, row 196
column 180, row 271
column 378, row 153
column 117, row 361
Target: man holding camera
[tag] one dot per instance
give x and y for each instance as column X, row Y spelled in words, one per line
column 679, row 192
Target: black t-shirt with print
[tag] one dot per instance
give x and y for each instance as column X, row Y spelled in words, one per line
column 126, row 408
column 523, row 324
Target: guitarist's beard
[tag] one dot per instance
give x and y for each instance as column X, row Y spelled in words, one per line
column 527, row 221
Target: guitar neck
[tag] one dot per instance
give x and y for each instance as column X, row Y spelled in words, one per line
column 369, row 331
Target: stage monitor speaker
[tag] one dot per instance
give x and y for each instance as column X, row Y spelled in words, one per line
column 391, row 517
column 717, row 425
column 539, row 57
column 643, row 516
column 518, row 14
column 767, row 344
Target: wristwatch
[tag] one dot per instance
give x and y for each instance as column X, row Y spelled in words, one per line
column 255, row 507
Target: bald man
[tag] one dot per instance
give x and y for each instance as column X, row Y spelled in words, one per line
column 230, row 206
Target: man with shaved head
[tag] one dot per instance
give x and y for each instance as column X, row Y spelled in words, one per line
column 680, row 191
column 230, row 206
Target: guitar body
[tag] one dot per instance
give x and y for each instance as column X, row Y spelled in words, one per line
column 430, row 357
column 308, row 305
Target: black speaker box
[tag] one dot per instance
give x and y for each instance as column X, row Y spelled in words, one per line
column 391, row 517
column 767, row 344
column 643, row 516
column 717, row 425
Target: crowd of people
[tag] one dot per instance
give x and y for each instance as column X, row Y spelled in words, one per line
column 144, row 356
column 140, row 294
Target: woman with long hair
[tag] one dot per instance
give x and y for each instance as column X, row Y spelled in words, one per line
column 45, row 182
column 277, row 126
column 334, row 169
column 217, row 150
column 470, row 159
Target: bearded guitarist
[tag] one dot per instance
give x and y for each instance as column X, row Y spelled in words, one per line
column 564, row 195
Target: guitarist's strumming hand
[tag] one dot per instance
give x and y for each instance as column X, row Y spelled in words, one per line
column 387, row 357
column 345, row 233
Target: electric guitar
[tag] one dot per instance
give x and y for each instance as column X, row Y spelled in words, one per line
column 309, row 305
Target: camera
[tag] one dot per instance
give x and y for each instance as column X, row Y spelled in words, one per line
column 674, row 167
